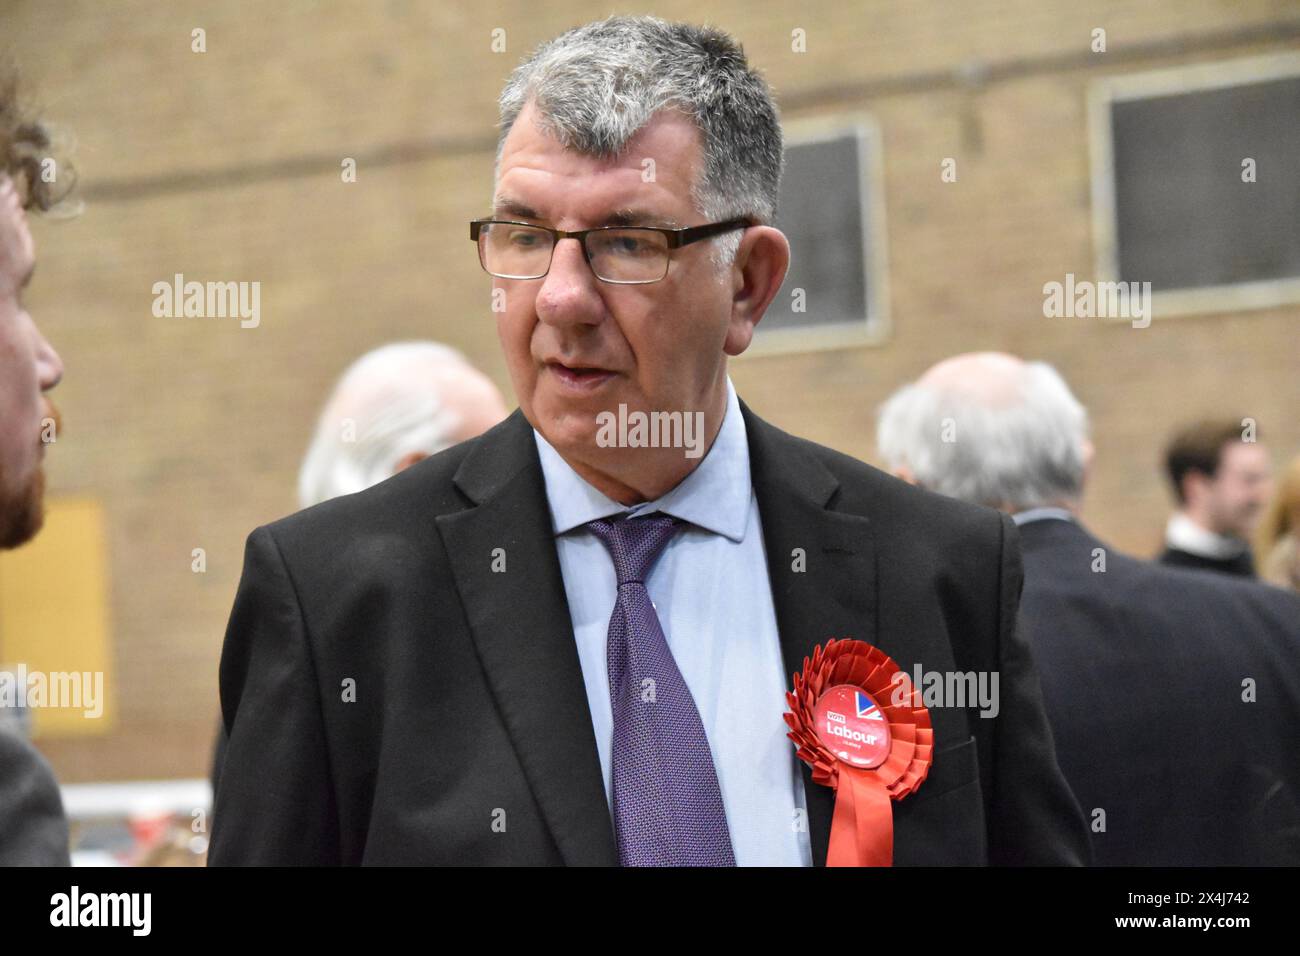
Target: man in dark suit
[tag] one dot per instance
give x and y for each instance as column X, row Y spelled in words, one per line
column 568, row 642
column 32, row 826
column 1173, row 695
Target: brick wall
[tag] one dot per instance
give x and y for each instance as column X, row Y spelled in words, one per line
column 225, row 165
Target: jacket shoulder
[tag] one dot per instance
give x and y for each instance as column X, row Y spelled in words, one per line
column 33, row 830
column 896, row 507
column 425, row 489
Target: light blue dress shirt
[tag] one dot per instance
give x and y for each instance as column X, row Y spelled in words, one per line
column 714, row 600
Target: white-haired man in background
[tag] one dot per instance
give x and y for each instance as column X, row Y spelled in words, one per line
column 392, row 407
column 1173, row 695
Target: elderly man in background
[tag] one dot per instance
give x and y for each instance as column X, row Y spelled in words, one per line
column 1174, row 696
column 33, row 830
column 394, row 406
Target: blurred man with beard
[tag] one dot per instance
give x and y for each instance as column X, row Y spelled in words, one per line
column 33, row 830
column 31, row 367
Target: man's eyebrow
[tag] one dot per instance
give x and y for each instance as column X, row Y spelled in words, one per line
column 506, row 206
column 640, row 217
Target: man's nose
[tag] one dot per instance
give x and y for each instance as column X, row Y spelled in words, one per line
column 569, row 293
column 49, row 366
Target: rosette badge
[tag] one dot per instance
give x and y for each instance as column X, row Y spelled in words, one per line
column 860, row 725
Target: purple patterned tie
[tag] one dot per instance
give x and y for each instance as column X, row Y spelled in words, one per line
column 667, row 804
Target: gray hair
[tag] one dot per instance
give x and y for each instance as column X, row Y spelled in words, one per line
column 1025, row 453
column 386, row 405
column 596, row 85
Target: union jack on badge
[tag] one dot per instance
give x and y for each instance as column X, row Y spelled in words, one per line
column 867, row 709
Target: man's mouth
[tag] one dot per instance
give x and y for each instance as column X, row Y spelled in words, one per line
column 579, row 378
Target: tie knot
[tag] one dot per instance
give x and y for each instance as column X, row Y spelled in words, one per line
column 635, row 544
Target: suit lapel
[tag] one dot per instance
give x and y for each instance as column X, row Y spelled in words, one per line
column 523, row 631
column 835, row 594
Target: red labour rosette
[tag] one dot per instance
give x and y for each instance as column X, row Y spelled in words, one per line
column 859, row 723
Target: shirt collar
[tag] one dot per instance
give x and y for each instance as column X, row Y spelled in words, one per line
column 1184, row 534
column 714, row 496
column 1041, row 514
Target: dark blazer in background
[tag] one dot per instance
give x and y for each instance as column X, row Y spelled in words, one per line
column 33, row 830
column 1142, row 669
column 470, row 705
column 1243, row 565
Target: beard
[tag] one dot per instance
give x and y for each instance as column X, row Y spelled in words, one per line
column 22, row 513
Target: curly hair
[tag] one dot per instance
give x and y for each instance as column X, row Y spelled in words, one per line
column 26, row 144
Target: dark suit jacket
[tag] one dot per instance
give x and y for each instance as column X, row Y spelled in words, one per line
column 1142, row 670
column 469, row 700
column 33, row 830
column 1243, row 565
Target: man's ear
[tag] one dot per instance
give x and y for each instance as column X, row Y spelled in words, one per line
column 902, row 471
column 1196, row 488
column 409, row 459
column 760, row 267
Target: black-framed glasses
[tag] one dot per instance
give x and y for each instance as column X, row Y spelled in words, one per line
column 625, row 255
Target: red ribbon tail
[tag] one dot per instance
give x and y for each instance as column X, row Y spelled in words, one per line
column 862, row 827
